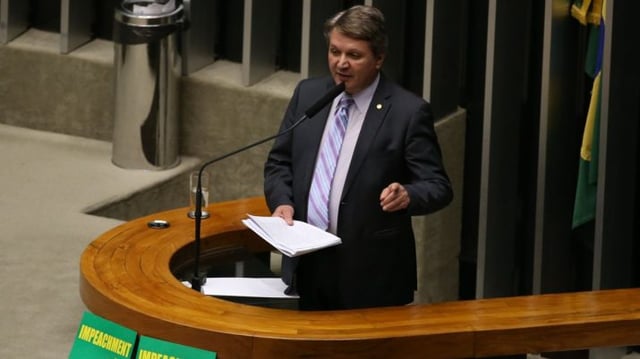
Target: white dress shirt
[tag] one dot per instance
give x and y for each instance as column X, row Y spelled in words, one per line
column 357, row 114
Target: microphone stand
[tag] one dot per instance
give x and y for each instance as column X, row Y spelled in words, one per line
column 199, row 279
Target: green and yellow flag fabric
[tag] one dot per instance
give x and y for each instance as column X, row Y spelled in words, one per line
column 585, row 201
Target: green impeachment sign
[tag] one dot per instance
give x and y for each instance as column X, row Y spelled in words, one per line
column 101, row 338
column 151, row 348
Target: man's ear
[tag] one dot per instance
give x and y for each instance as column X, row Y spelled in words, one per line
column 380, row 61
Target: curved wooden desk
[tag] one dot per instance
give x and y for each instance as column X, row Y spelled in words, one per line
column 126, row 278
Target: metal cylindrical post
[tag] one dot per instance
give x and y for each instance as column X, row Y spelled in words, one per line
column 147, row 67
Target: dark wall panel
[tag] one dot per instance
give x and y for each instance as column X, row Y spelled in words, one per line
column 618, row 179
column 499, row 256
column 561, row 127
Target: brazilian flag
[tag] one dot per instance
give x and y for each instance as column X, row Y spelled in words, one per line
column 585, row 202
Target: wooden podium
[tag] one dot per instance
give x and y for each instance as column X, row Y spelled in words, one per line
column 128, row 276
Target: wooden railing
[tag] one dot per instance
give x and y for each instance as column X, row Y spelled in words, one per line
column 126, row 277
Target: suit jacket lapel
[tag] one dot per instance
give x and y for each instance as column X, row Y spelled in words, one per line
column 375, row 116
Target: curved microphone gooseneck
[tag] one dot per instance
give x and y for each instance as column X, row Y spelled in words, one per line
column 199, row 279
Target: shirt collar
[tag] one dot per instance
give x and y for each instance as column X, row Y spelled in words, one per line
column 363, row 98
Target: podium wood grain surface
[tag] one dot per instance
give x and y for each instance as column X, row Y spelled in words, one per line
column 126, row 277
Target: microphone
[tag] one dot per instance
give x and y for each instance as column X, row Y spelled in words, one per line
column 199, row 279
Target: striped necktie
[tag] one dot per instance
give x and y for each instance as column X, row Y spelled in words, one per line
column 318, row 211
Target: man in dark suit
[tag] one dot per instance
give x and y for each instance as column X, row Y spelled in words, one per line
column 389, row 168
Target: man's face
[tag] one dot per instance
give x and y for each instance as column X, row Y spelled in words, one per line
column 351, row 61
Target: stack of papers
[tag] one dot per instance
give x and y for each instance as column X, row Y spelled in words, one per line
column 244, row 287
column 300, row 238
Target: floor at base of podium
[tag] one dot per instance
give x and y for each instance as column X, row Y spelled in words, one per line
column 47, row 184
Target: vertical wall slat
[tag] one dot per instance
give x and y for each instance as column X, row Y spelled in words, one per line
column 260, row 37
column 14, row 19
column 76, row 19
column 617, row 205
column 395, row 18
column 498, row 237
column 554, row 251
column 313, row 56
column 428, row 49
column 483, row 212
column 199, row 37
column 442, row 55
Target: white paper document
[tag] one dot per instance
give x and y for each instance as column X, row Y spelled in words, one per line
column 245, row 287
column 293, row 240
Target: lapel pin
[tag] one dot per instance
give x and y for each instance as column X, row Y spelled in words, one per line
column 379, row 106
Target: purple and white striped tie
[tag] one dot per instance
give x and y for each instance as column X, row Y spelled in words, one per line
column 318, row 212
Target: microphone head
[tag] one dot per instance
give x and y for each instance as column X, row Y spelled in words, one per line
column 325, row 100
